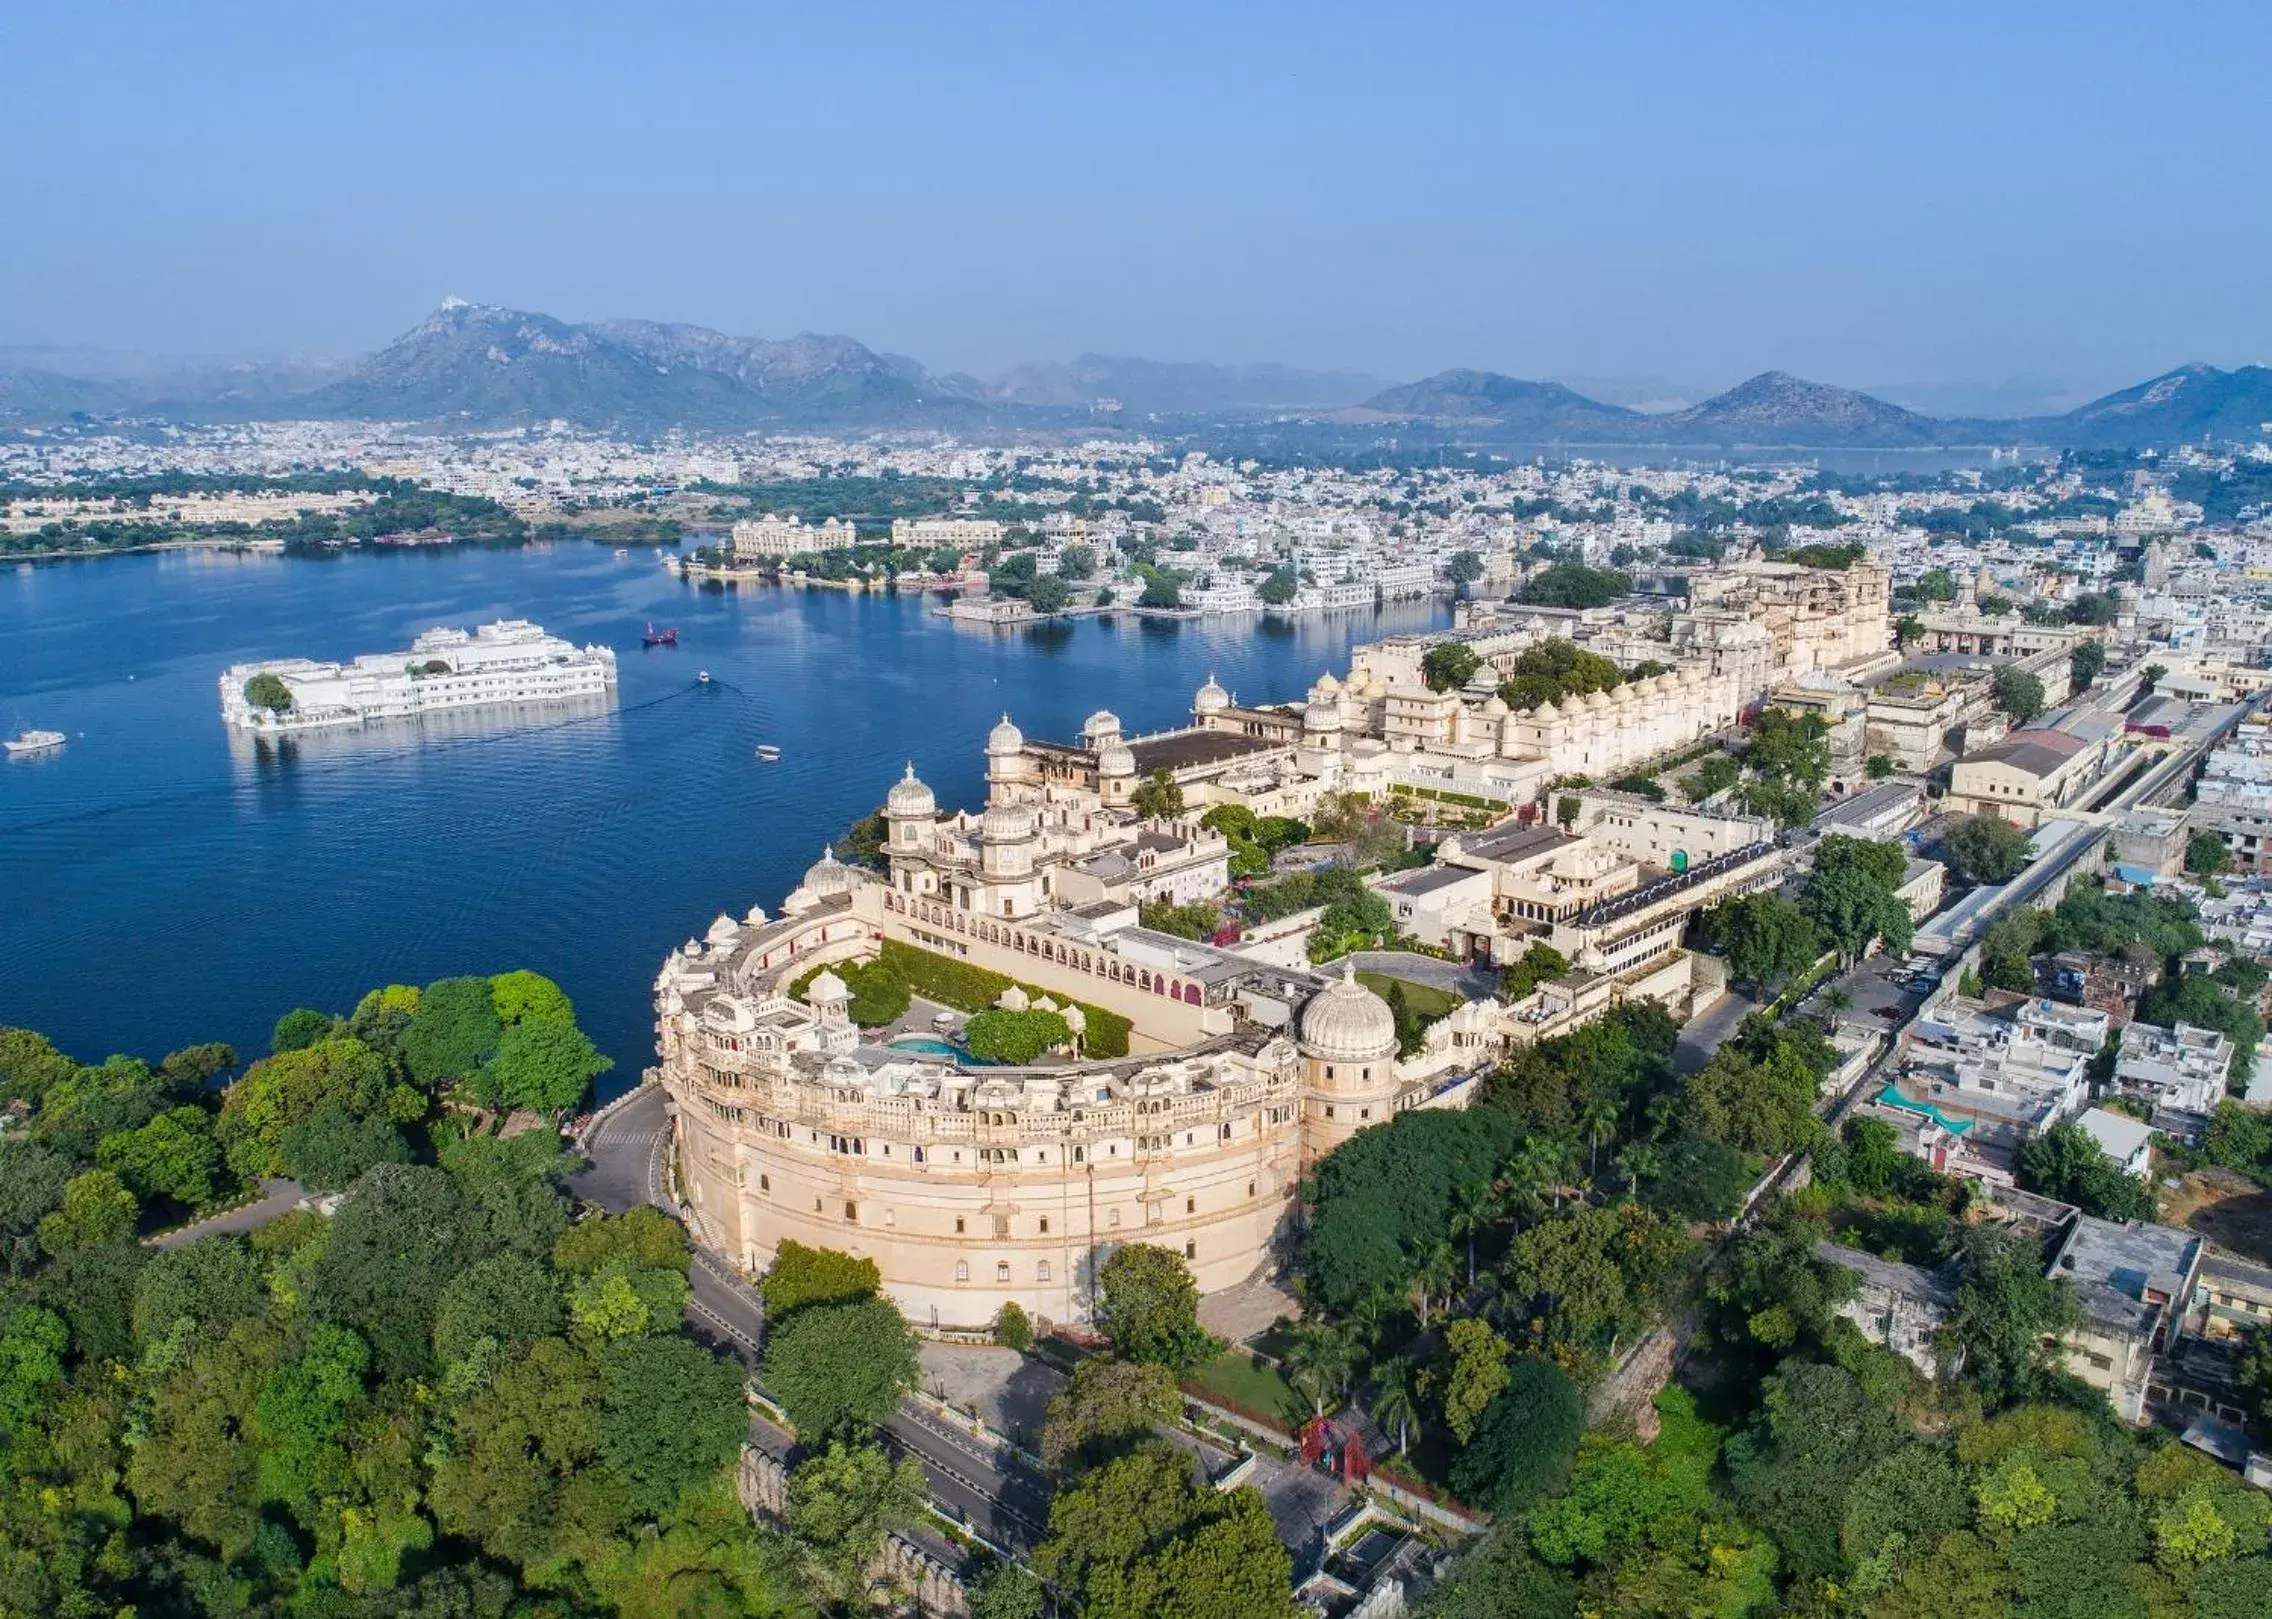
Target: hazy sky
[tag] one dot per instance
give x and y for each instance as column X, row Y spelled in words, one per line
column 1897, row 192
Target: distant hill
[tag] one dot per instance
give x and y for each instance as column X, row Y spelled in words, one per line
column 1772, row 408
column 1778, row 408
column 1173, row 388
column 1519, row 408
column 481, row 364
column 2176, row 406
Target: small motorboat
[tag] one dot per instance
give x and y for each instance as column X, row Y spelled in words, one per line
column 768, row 752
column 32, row 742
column 655, row 637
column 621, row 553
column 702, row 675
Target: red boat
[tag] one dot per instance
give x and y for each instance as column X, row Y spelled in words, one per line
column 655, row 637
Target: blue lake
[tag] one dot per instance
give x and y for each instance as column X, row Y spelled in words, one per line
column 162, row 882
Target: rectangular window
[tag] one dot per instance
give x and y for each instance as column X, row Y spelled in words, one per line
column 1112, row 1218
column 852, row 1212
column 1045, row 1225
column 1001, row 1227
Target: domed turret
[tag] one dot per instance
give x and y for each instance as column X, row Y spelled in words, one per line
column 1008, row 823
column 1115, row 760
column 1495, row 707
column 1005, row 754
column 1596, row 701
column 1323, row 717
column 827, row 878
column 909, row 798
column 1346, row 1022
column 1100, row 728
column 1209, row 699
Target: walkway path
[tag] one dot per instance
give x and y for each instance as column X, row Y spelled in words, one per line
column 278, row 1198
column 1464, row 979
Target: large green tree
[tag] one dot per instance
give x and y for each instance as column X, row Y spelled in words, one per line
column 541, row 1065
column 1148, row 1305
column 839, row 1369
column 1140, row 1538
column 842, row 1502
column 1854, row 894
column 1108, row 1404
column 1768, row 939
column 1986, row 848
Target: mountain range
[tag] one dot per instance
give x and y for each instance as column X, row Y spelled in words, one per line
column 479, row 364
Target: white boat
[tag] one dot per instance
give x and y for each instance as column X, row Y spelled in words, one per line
column 702, row 675
column 33, row 742
column 621, row 553
column 768, row 752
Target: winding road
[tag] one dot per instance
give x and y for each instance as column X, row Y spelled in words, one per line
column 996, row 1496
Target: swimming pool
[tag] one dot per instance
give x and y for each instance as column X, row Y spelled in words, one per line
column 923, row 1045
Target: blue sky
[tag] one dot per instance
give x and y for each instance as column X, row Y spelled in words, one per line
column 1910, row 193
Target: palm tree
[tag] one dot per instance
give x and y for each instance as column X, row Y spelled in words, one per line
column 1435, row 1274
column 1474, row 1207
column 1396, row 1400
column 1597, row 1119
column 1531, row 1173
column 1319, row 1362
column 1836, row 1001
column 1641, row 1161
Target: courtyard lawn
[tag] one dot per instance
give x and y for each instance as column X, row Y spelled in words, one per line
column 1425, row 999
column 1249, row 1385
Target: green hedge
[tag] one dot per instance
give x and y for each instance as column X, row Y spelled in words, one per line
column 1443, row 795
column 975, row 989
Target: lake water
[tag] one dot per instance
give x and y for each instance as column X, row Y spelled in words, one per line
column 162, row 881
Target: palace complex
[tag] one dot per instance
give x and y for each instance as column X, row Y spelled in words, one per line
column 972, row 1186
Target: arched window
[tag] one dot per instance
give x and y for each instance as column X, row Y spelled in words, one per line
column 1041, row 1271
column 962, row 1270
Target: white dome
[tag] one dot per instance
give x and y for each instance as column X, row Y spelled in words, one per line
column 1621, row 694
column 1346, row 1022
column 1595, row 700
column 829, row 876
column 1007, row 823
column 723, row 931
column 1325, row 716
column 1494, row 707
column 1210, row 698
column 1004, row 738
column 1104, row 723
column 910, row 798
column 1116, row 760
column 826, row 988
column 1326, row 686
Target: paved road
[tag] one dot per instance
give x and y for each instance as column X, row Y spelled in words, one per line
column 278, row 1198
column 1702, row 1035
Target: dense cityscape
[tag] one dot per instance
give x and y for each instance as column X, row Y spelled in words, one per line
column 1794, row 926
column 1234, row 813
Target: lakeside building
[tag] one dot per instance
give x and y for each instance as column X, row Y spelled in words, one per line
column 960, row 533
column 444, row 671
column 974, row 1186
column 775, row 537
